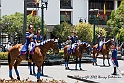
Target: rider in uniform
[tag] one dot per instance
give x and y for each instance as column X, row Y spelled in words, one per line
column 100, row 40
column 29, row 38
column 114, row 58
column 74, row 41
column 38, row 36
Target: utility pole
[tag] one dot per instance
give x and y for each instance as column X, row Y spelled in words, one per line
column 25, row 21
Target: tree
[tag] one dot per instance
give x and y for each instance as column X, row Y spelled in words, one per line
column 97, row 29
column 116, row 19
column 62, row 31
column 13, row 24
column 120, row 36
column 84, row 31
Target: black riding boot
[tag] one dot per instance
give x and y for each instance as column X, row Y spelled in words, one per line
column 114, row 73
column 30, row 57
column 27, row 57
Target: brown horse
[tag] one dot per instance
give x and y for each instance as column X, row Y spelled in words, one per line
column 104, row 51
column 80, row 49
column 38, row 57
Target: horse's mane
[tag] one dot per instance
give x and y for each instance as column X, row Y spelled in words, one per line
column 45, row 42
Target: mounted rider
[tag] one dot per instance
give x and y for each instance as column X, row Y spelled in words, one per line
column 29, row 44
column 100, row 40
column 74, row 41
column 38, row 36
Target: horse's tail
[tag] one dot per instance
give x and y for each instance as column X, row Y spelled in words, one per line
column 9, row 59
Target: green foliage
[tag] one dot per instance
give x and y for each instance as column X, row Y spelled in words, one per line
column 116, row 19
column 84, row 31
column 62, row 31
column 97, row 29
column 13, row 24
column 4, row 55
column 120, row 36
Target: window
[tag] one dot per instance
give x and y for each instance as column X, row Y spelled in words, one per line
column 100, row 5
column 119, row 2
column 65, row 16
column 65, row 4
column 32, row 4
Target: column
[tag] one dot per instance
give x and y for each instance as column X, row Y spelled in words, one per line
column 115, row 5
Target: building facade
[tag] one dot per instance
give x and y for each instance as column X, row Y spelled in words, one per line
column 59, row 11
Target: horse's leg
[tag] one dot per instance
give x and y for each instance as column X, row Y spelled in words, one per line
column 29, row 64
column 80, row 63
column 38, row 64
column 76, row 63
column 38, row 74
column 10, row 62
column 34, row 68
column 15, row 67
column 68, row 57
column 10, row 71
column 108, row 59
column 42, row 69
column 96, row 58
column 66, row 62
column 103, row 60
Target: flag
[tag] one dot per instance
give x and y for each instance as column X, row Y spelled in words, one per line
column 32, row 13
column 98, row 15
column 104, row 12
column 36, row 1
column 66, row 14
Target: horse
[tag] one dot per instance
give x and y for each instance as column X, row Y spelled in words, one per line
column 79, row 50
column 14, row 57
column 104, row 51
column 32, row 65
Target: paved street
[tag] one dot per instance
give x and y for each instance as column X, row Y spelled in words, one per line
column 101, row 74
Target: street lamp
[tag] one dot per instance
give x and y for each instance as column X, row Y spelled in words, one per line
column 43, row 5
column 94, row 38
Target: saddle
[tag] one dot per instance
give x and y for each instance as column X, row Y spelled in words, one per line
column 71, row 48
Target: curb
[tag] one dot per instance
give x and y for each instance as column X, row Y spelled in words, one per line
column 81, row 79
column 46, row 63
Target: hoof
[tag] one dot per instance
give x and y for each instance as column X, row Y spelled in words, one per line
column 11, row 78
column 76, row 69
column 80, row 68
column 34, row 73
column 109, row 65
column 66, row 68
column 30, row 73
column 103, row 64
column 18, row 78
column 92, row 63
column 41, row 74
column 39, row 81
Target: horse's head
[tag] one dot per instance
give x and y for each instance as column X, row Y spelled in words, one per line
column 109, row 43
column 84, row 47
column 55, row 46
column 49, row 44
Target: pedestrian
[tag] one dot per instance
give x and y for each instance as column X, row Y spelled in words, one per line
column 114, row 58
